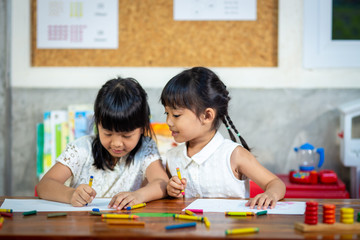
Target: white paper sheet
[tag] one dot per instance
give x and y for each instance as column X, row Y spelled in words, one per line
column 77, row 24
column 24, row 205
column 233, row 205
column 215, row 10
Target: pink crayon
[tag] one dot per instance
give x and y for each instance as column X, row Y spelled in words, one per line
column 196, row 210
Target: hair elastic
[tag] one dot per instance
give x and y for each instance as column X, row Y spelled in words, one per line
column 228, row 128
column 238, row 134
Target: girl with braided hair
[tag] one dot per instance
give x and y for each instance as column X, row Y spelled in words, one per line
column 196, row 103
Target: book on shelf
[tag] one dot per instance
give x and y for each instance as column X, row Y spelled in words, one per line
column 59, row 127
column 79, row 116
column 39, row 149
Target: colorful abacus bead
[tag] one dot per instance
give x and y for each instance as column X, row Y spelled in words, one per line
column 347, row 215
column 329, row 213
column 311, row 213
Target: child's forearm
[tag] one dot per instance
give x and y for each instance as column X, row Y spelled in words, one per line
column 277, row 188
column 50, row 189
column 153, row 190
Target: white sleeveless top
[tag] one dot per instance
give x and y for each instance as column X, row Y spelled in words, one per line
column 208, row 172
column 107, row 183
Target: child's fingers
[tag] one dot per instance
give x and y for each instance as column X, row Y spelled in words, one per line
column 260, row 203
column 267, row 203
column 176, row 180
column 273, row 204
column 125, row 201
column 251, row 203
column 119, row 198
column 184, row 181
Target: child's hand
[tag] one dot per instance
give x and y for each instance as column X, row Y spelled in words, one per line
column 82, row 195
column 175, row 185
column 125, row 199
column 263, row 200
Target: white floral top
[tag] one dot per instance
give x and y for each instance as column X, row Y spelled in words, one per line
column 107, row 183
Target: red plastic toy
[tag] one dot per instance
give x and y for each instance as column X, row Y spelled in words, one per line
column 313, row 177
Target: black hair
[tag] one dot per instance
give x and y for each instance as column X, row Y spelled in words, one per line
column 199, row 88
column 121, row 106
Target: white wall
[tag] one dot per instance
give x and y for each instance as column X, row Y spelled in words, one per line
column 289, row 74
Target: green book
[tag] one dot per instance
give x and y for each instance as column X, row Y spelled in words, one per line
column 40, row 149
column 58, row 140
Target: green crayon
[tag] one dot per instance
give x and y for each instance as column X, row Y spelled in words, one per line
column 261, row 213
column 50, row 215
column 29, row 213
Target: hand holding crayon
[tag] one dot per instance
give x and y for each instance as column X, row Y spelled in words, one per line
column 179, row 175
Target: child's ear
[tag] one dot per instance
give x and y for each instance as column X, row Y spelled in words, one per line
column 209, row 115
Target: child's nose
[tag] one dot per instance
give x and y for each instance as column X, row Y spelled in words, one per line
column 117, row 141
column 168, row 121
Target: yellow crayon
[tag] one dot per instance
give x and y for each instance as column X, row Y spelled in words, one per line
column 6, row 210
column 241, row 230
column 187, row 217
column 179, row 176
column 188, row 212
column 136, row 206
column 207, row 222
column 91, row 181
column 124, row 216
column 90, row 184
column 240, row 214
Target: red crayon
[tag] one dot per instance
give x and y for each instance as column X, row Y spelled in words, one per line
column 4, row 214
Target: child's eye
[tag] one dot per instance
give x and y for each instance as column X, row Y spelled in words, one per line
column 166, row 113
column 176, row 115
column 127, row 136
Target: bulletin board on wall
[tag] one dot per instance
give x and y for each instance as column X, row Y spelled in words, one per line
column 150, row 37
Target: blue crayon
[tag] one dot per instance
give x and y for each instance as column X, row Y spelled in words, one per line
column 96, row 210
column 184, row 225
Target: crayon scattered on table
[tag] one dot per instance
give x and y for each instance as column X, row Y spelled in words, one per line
column 123, row 216
column 33, row 212
column 61, row 214
column 136, row 206
column 207, row 222
column 96, row 210
column 96, row 213
column 188, row 212
column 241, row 231
column 5, row 214
column 1, row 221
column 6, row 210
column 124, row 222
column 183, row 225
column 261, row 213
column 187, row 217
column 179, row 176
column 242, row 214
column 196, row 210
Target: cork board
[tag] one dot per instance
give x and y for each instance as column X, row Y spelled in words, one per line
column 149, row 37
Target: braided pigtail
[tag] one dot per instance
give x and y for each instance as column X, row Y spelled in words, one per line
column 229, row 130
column 243, row 142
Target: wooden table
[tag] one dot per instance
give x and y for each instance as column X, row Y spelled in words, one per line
column 86, row 226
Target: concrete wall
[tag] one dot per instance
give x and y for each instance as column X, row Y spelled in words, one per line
column 4, row 98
